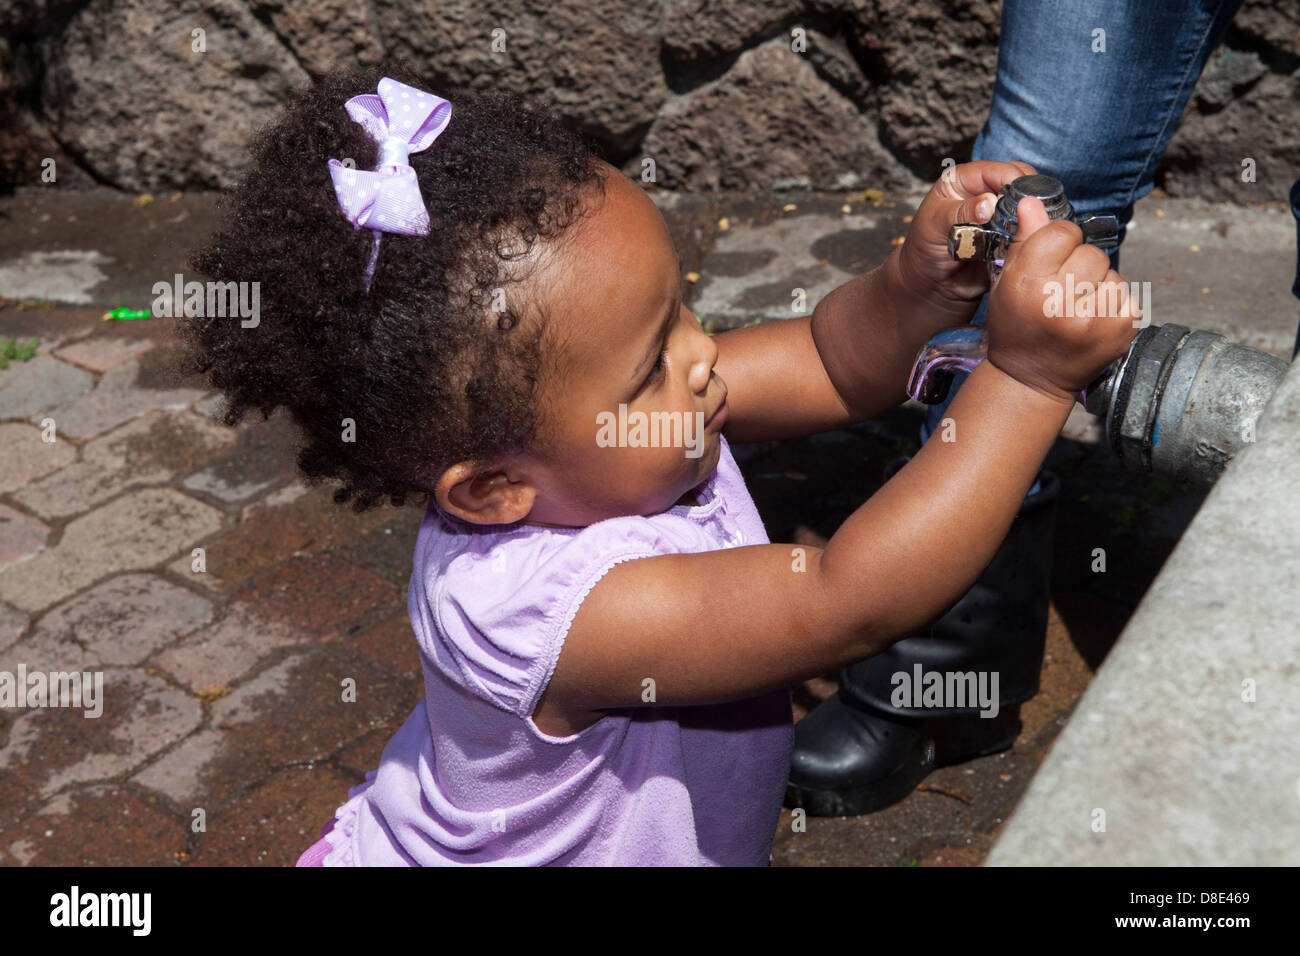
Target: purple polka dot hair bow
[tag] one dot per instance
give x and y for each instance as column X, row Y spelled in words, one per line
column 402, row 120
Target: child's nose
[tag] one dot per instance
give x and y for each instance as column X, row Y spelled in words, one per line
column 706, row 357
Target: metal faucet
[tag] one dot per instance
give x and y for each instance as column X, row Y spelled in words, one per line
column 1180, row 403
column 969, row 240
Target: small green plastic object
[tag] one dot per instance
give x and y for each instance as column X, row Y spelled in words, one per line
column 125, row 315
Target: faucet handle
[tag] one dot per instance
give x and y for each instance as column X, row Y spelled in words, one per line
column 1100, row 231
column 972, row 241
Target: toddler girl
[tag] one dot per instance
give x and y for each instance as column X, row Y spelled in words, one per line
column 607, row 637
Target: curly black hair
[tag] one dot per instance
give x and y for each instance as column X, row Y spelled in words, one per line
column 428, row 365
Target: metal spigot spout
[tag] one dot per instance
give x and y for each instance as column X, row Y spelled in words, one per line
column 957, row 349
column 962, row 347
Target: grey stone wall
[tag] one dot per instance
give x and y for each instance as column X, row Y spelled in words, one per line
column 877, row 95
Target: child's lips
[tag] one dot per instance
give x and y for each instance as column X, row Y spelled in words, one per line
column 719, row 415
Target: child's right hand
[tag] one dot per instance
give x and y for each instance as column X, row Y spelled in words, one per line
column 1036, row 333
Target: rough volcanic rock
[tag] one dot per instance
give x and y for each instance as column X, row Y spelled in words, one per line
column 706, row 29
column 884, row 92
column 938, row 59
column 1227, row 74
column 1205, row 156
column 324, row 34
column 597, row 62
column 22, row 14
column 1275, row 23
column 127, row 94
column 769, row 119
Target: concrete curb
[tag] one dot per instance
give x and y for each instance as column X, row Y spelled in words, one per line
column 1185, row 749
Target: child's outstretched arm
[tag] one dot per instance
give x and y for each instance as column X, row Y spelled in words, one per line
column 849, row 361
column 728, row 624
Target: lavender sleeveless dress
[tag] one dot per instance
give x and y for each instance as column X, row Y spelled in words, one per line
column 469, row 778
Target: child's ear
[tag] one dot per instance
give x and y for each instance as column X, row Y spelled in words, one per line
column 483, row 496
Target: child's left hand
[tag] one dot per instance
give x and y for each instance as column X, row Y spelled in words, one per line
column 953, row 288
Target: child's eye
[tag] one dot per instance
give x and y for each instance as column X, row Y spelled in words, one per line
column 657, row 368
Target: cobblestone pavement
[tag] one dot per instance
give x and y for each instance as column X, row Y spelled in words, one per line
column 222, row 666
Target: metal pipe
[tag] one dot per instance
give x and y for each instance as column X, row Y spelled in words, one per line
column 1180, row 404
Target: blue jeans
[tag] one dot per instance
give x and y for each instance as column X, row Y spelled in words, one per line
column 1098, row 122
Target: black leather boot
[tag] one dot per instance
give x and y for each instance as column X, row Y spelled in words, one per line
column 869, row 745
